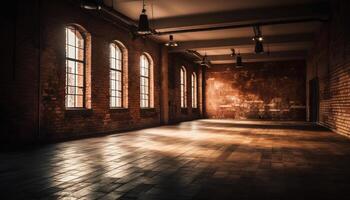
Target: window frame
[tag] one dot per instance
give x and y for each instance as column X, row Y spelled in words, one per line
column 76, row 63
column 194, row 90
column 116, row 46
column 183, row 87
column 144, row 57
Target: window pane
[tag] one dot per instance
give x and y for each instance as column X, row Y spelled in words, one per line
column 80, row 81
column 79, row 101
column 70, row 66
column 116, row 75
column 75, row 68
column 71, row 80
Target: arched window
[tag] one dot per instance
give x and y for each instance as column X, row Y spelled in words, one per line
column 116, row 76
column 194, row 89
column 146, row 81
column 77, row 81
column 183, row 89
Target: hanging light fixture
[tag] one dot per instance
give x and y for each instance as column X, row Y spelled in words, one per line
column 204, row 61
column 233, row 54
column 143, row 28
column 239, row 63
column 91, row 4
column 172, row 42
column 258, row 38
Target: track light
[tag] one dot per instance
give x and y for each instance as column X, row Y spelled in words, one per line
column 143, row 28
column 172, row 42
column 91, row 4
column 258, row 38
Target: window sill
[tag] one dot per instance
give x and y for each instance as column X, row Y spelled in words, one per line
column 78, row 109
column 78, row 112
column 150, row 109
column 148, row 112
column 118, row 110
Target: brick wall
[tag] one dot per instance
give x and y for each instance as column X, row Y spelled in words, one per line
column 19, row 77
column 329, row 63
column 39, row 57
column 271, row 91
column 176, row 113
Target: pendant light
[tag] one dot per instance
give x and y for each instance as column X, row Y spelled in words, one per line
column 172, row 42
column 91, row 4
column 259, row 47
column 204, row 60
column 143, row 28
column 239, row 63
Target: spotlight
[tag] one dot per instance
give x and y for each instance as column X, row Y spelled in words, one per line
column 258, row 38
column 172, row 42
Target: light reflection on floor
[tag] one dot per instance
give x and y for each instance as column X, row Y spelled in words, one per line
column 204, row 159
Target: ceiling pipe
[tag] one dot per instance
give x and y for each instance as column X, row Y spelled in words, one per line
column 276, row 22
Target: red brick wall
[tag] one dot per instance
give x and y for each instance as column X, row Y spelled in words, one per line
column 272, row 91
column 329, row 61
column 59, row 122
column 176, row 113
column 39, row 57
column 19, row 77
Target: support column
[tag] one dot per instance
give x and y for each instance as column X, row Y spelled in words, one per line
column 164, row 94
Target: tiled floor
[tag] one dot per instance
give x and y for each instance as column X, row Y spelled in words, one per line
column 205, row 159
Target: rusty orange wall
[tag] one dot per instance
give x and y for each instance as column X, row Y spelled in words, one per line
column 271, row 91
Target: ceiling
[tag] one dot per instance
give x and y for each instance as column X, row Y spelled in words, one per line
column 183, row 18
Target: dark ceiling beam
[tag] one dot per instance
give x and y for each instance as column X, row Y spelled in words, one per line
column 263, row 57
column 239, row 42
column 250, row 16
column 243, row 25
column 252, row 60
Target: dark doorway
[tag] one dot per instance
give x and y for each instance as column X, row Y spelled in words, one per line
column 313, row 99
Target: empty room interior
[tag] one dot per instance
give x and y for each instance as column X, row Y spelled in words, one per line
column 175, row 100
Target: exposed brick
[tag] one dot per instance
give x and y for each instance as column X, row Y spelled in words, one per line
column 44, row 46
column 329, row 62
column 272, row 90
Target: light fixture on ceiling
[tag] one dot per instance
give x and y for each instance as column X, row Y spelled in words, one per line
column 172, row 42
column 143, row 28
column 91, row 4
column 233, row 54
column 258, row 38
column 239, row 63
column 204, row 61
